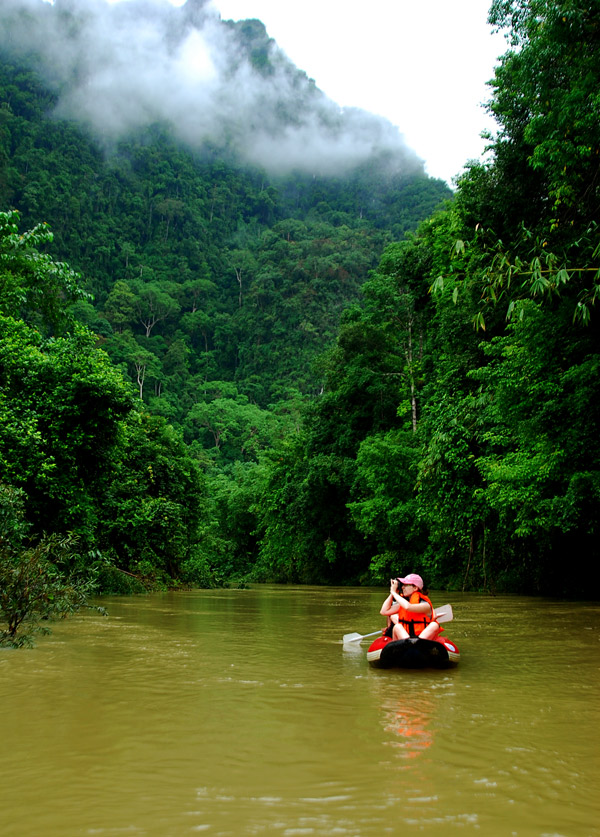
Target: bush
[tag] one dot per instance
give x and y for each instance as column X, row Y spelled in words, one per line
column 33, row 588
column 39, row 581
column 196, row 572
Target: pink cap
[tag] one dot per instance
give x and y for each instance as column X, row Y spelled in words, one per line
column 412, row 578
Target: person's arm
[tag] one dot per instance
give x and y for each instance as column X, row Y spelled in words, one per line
column 421, row 607
column 390, row 605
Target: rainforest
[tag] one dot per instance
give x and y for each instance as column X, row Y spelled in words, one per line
column 263, row 345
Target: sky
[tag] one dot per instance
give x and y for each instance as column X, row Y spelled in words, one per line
column 422, row 64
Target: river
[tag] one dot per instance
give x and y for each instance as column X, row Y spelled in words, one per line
column 240, row 712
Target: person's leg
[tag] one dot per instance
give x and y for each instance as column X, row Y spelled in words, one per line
column 430, row 632
column 400, row 632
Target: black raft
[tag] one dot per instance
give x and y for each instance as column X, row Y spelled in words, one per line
column 411, row 653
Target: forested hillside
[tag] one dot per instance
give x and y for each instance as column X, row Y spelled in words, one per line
column 201, row 267
column 222, row 359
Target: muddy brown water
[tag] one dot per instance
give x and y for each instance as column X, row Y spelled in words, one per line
column 240, row 712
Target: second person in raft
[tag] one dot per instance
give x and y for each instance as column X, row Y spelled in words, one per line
column 410, row 611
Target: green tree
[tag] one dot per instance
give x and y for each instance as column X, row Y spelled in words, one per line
column 120, row 307
column 546, row 90
column 33, row 286
column 61, row 405
column 305, row 533
column 235, row 428
column 384, row 505
column 152, row 304
column 153, row 509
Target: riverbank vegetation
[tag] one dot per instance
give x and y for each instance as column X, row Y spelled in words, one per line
column 211, row 374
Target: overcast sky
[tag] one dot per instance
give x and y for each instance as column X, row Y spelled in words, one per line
column 423, row 64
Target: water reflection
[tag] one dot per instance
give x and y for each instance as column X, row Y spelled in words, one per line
column 409, row 727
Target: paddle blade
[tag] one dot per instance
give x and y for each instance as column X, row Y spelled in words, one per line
column 357, row 637
column 444, row 614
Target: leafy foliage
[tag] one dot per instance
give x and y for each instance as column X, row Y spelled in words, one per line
column 96, row 484
column 38, row 582
column 153, row 506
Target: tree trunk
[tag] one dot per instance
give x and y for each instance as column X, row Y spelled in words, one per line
column 238, row 275
column 411, row 377
column 140, row 369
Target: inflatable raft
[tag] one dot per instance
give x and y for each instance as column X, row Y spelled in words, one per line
column 385, row 652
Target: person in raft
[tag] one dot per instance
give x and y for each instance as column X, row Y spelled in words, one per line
column 410, row 612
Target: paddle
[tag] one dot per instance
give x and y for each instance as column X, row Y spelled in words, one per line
column 442, row 614
column 355, row 637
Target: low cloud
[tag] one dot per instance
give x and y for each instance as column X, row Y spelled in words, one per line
column 123, row 66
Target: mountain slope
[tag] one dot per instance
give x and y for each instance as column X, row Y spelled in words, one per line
column 204, row 265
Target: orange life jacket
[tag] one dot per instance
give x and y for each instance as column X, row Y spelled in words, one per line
column 413, row 622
